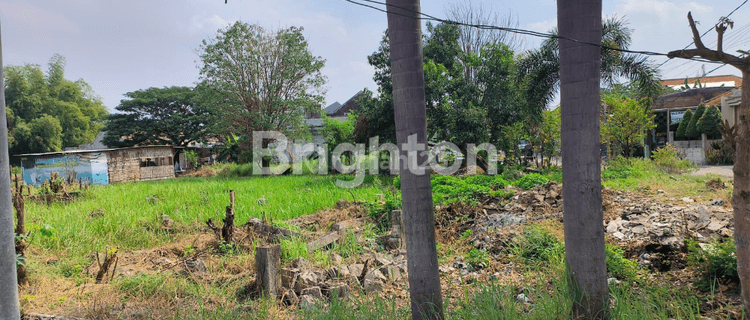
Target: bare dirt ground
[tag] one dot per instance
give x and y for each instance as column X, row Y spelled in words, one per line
column 723, row 171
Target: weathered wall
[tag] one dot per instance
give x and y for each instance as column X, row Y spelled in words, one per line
column 88, row 167
column 126, row 164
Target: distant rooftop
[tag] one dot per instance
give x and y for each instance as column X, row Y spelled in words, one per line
column 708, row 81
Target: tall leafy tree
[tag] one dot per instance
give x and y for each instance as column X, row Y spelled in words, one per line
column 262, row 80
column 157, row 116
column 411, row 127
column 579, row 101
column 710, row 122
column 539, row 68
column 626, row 123
column 684, row 123
column 31, row 94
column 693, row 131
column 460, row 108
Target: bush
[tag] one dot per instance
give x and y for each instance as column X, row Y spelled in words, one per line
column 693, row 131
column 668, row 160
column 709, row 123
column 684, row 122
column 531, row 180
column 716, row 261
column 720, row 153
column 380, row 212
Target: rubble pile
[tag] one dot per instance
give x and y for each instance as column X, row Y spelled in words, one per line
column 306, row 285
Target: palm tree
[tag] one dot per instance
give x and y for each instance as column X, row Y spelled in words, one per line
column 539, row 68
column 580, row 66
column 411, row 120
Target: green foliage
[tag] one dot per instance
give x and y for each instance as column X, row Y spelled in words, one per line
column 47, row 112
column 710, row 122
column 511, row 136
column 192, row 158
column 553, row 173
column 626, row 122
column 336, row 132
column 478, row 258
column 531, row 180
column 537, row 247
column 716, row 261
column 158, row 116
column 462, row 106
column 260, row 80
column 620, row 267
column 466, row 235
column 720, row 153
column 684, row 124
column 20, row 260
column 380, row 213
column 667, row 159
column 348, row 245
column 548, row 137
column 292, row 248
column 693, row 131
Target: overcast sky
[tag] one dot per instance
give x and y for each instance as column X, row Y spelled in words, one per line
column 123, row 46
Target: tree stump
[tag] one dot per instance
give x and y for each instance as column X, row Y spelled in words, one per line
column 268, row 266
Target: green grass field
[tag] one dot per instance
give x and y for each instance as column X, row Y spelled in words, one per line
column 128, row 215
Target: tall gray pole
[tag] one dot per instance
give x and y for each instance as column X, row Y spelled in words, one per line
column 9, row 308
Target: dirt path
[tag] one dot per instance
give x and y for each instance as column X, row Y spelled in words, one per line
column 723, row 171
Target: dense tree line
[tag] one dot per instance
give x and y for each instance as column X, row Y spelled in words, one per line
column 47, row 112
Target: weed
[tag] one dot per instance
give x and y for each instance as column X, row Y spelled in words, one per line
column 620, row 267
column 531, row 180
column 716, row 260
column 348, row 245
column 466, row 235
column 292, row 248
column 189, row 251
column 537, row 247
column 477, row 258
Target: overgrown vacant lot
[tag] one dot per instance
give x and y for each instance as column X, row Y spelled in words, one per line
column 500, row 246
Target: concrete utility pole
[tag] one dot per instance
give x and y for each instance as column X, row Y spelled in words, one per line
column 9, row 308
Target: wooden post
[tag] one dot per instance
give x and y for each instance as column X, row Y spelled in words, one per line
column 227, row 231
column 268, row 266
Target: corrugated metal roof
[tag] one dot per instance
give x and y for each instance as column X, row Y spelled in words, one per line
column 83, row 151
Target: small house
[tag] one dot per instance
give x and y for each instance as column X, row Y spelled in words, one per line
column 102, row 166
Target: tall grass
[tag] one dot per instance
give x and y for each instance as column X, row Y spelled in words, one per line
column 129, row 214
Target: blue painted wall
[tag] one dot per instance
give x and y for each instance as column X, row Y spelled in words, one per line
column 89, row 167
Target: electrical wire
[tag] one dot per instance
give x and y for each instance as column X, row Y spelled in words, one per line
column 516, row 30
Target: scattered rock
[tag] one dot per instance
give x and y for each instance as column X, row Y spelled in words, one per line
column 688, row 200
column 313, row 291
column 290, row 298
column 301, row 264
column 307, row 301
column 339, row 290
column 195, row 265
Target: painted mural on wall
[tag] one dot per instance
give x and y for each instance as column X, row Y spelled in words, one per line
column 89, row 168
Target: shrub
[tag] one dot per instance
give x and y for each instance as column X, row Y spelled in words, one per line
column 693, row 131
column 716, row 261
column 720, row 153
column 709, row 123
column 531, row 180
column 380, row 212
column 684, row 122
column 292, row 248
column 667, row 159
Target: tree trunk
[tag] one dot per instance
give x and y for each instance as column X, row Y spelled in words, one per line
column 579, row 99
column 411, row 120
column 741, row 193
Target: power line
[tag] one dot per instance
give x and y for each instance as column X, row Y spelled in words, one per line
column 513, row 30
column 707, row 31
